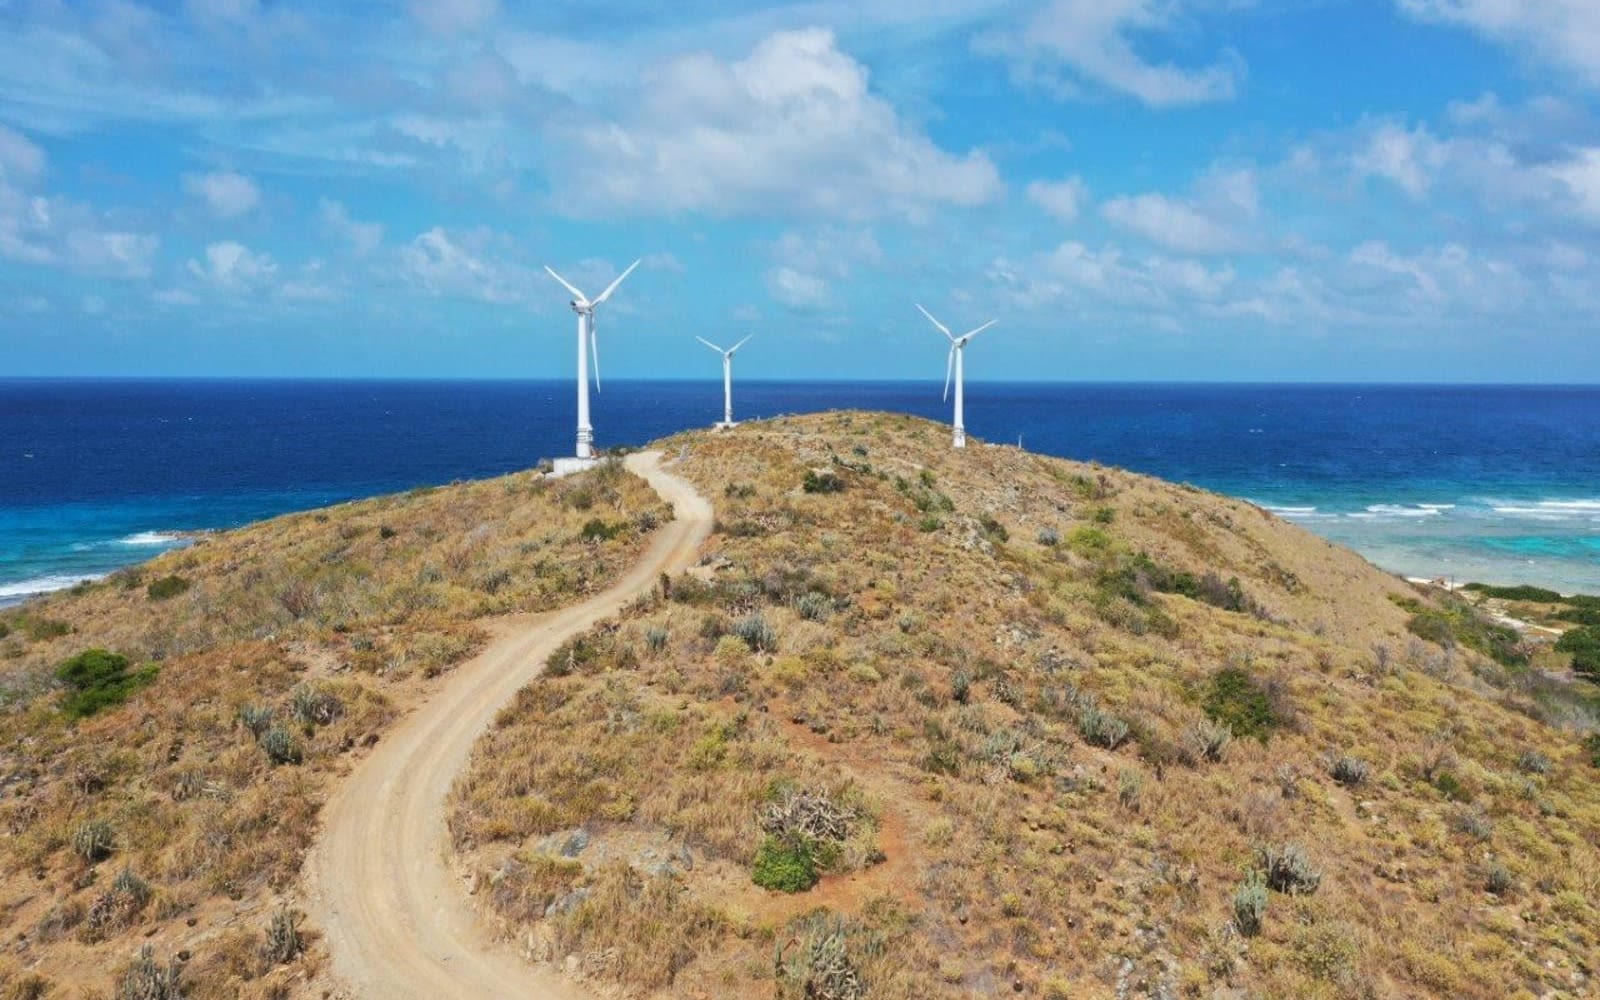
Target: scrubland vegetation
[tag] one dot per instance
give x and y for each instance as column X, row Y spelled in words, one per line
column 168, row 735
column 947, row 724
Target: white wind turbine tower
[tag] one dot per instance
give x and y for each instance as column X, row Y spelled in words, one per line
column 958, row 350
column 584, row 307
column 727, row 377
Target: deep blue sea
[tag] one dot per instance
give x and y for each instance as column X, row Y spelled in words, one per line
column 1472, row 482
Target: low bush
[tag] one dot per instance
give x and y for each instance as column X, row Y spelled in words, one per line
column 1584, row 646
column 819, row 966
column 281, row 746
column 822, row 481
column 784, row 865
column 93, row 840
column 313, row 706
column 1100, row 728
column 282, row 941
column 143, row 979
column 1250, row 904
column 1206, row 741
column 1288, row 869
column 99, row 679
column 597, row 530
column 1533, row 762
column 756, row 633
column 1240, row 702
column 1520, row 593
column 1456, row 623
column 1347, row 770
column 166, row 588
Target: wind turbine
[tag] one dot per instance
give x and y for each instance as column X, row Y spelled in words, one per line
column 958, row 350
column 727, row 377
column 585, row 308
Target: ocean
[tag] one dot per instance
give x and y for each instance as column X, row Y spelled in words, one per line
column 1491, row 483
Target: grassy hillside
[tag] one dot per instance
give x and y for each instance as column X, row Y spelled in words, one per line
column 168, row 735
column 985, row 723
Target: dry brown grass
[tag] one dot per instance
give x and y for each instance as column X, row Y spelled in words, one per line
column 331, row 621
column 933, row 657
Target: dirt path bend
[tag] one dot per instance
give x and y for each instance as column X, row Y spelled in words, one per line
column 378, row 882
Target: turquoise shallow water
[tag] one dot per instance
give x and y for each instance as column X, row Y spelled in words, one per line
column 1496, row 483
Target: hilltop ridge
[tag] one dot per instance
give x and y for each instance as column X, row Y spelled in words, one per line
column 939, row 723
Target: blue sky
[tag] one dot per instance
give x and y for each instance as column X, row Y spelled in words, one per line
column 1137, row 189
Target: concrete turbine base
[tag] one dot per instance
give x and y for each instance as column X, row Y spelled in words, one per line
column 569, row 466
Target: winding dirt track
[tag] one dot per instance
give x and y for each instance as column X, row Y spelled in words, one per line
column 397, row 920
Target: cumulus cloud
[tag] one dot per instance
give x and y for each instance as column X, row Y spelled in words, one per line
column 362, row 237
column 806, row 264
column 1210, row 221
column 791, row 128
column 52, row 231
column 225, row 194
column 1070, row 45
column 1062, row 199
column 464, row 265
column 234, row 268
column 796, row 289
column 1565, row 33
column 1409, row 158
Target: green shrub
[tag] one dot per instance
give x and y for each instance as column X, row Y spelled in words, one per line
column 256, row 718
column 823, row 481
column 1451, row 787
column 1241, row 703
column 1100, row 728
column 280, row 746
column 93, row 840
column 1288, row 869
column 145, row 980
column 756, row 633
column 283, row 941
column 1584, row 646
column 1520, row 593
column 1457, row 623
column 1048, row 537
column 1348, row 771
column 1591, row 744
column 1497, row 879
column 1250, row 904
column 313, row 706
column 5, row 630
column 1533, row 762
column 99, row 679
column 656, row 638
column 597, row 530
column 784, row 866
column 817, row 964
column 929, row 524
column 1206, row 741
column 166, row 588
column 994, row 529
column 43, row 629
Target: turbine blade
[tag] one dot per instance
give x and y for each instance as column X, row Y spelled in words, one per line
column 709, row 344
column 973, row 333
column 949, row 369
column 740, row 344
column 567, row 285
column 613, row 286
column 942, row 328
column 594, row 354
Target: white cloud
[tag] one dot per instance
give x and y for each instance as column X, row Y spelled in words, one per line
column 1579, row 176
column 1092, row 41
column 234, row 268
column 449, row 17
column 226, row 195
column 1062, row 199
column 1410, row 158
column 1563, row 32
column 1213, row 220
column 52, row 231
column 20, row 160
column 796, row 289
column 463, row 265
column 792, row 128
column 363, row 237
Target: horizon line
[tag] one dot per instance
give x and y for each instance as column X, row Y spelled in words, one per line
column 481, row 379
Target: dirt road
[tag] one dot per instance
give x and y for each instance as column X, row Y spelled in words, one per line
column 378, row 881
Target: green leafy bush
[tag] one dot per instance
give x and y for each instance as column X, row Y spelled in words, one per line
column 597, row 530
column 1250, row 904
column 1288, row 869
column 98, row 679
column 822, row 481
column 43, row 629
column 1584, row 646
column 1520, row 593
column 784, row 866
column 166, row 588
column 1457, row 623
column 1241, row 703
